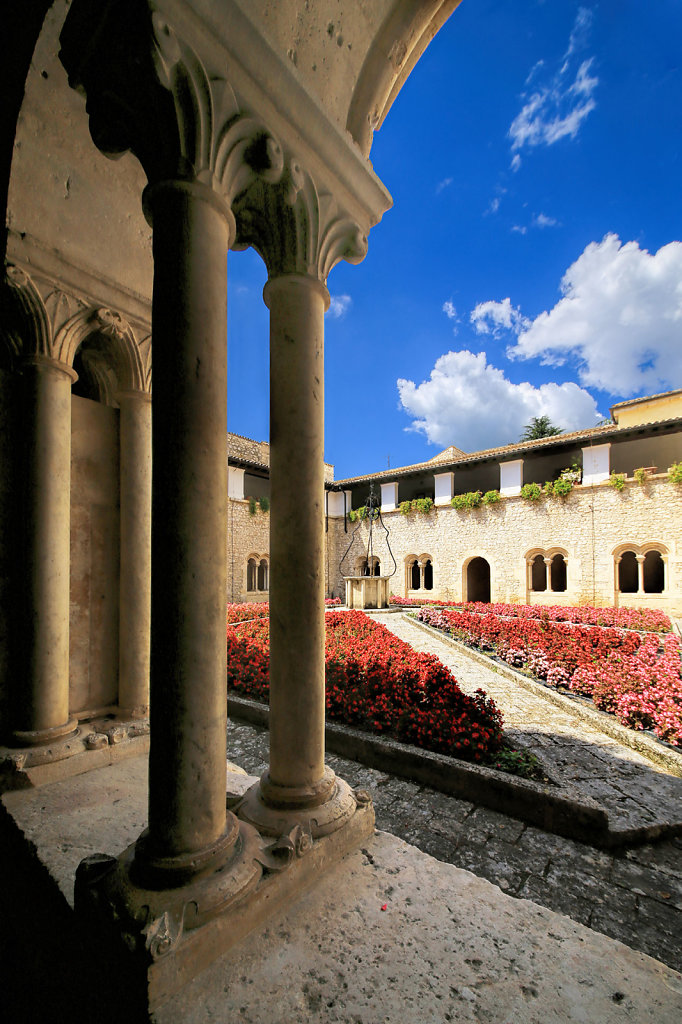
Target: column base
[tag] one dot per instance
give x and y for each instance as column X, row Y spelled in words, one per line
column 41, row 737
column 158, row 940
column 318, row 810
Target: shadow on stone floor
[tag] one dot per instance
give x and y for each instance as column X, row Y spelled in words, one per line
column 50, row 968
column 633, row 894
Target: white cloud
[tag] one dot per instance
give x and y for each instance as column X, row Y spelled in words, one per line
column 339, row 306
column 579, row 32
column 450, row 310
column 493, row 317
column 558, row 106
column 471, row 404
column 520, row 229
column 445, row 183
column 620, row 315
column 515, row 162
column 541, row 220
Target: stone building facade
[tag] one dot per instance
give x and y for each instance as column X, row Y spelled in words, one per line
column 596, row 545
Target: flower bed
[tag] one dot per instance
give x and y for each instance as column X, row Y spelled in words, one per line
column 248, row 610
column 647, row 619
column 332, row 602
column 376, row 682
column 635, row 676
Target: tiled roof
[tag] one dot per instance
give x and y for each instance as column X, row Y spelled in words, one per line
column 646, row 398
column 243, row 451
column 602, row 434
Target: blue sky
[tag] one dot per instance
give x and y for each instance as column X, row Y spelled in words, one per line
column 531, row 263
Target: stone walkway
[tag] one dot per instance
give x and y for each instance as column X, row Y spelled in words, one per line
column 633, row 895
column 582, row 760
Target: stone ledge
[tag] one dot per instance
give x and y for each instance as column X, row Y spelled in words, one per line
column 14, row 775
column 657, row 752
column 529, row 801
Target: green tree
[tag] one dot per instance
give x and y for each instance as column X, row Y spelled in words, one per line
column 539, row 426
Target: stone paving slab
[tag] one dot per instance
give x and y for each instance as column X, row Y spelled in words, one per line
column 630, row 895
column 582, row 760
column 393, row 937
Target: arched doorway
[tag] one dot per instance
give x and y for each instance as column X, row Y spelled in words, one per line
column 478, row 580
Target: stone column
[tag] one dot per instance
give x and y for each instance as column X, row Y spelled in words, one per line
column 135, row 558
column 296, row 776
column 188, row 832
column 548, row 574
column 41, row 711
column 640, row 573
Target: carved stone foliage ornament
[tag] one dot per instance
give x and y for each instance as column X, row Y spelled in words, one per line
column 148, row 91
column 54, row 328
column 297, row 228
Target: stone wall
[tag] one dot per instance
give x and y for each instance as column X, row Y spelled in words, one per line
column 247, row 535
column 93, row 627
column 588, row 525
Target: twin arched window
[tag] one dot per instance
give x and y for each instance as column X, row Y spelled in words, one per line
column 419, row 572
column 640, row 569
column 547, row 571
column 257, row 574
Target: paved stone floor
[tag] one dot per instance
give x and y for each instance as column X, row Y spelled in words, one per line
column 634, row 895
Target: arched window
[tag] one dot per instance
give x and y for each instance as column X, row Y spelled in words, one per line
column 547, row 571
column 263, row 574
column 251, row 575
column 418, row 572
column 538, row 574
column 654, row 573
column 641, row 569
column 557, row 574
column 628, row 573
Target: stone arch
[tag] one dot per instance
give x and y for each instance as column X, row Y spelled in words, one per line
column 546, row 570
column 403, row 36
column 558, row 573
column 640, row 568
column 25, row 328
column 536, row 571
column 257, row 573
column 476, row 579
column 109, row 358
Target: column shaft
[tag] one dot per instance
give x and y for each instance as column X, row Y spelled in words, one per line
column 189, row 524
column 640, row 573
column 42, row 700
column 297, row 709
column 135, row 566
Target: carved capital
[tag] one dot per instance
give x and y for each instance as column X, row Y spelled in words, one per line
column 296, row 227
column 148, row 92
